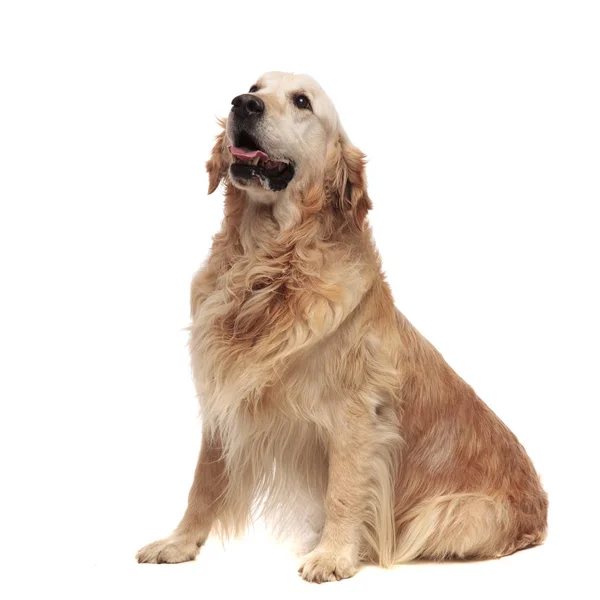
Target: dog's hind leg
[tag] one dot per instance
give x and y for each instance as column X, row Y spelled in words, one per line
column 462, row 526
column 453, row 526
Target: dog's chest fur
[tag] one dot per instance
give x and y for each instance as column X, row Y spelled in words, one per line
column 261, row 313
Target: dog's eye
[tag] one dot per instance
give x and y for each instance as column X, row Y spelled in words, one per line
column 253, row 89
column 301, row 101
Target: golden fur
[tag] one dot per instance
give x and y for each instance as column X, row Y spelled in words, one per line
column 320, row 401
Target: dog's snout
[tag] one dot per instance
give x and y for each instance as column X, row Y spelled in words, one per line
column 247, row 105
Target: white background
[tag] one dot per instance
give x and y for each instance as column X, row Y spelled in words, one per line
column 481, row 124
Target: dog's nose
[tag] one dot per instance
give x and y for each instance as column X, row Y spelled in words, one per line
column 247, row 105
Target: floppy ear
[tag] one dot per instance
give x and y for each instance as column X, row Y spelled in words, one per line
column 346, row 182
column 216, row 165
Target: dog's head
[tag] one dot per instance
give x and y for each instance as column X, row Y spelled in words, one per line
column 284, row 136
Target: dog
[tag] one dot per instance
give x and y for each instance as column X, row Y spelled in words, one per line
column 322, row 406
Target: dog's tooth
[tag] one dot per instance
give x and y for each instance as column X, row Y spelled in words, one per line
column 255, row 160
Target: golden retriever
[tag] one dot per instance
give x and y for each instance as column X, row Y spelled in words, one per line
column 320, row 402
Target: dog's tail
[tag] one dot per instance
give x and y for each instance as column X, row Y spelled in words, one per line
column 460, row 526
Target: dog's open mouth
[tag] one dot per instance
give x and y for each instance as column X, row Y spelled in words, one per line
column 250, row 162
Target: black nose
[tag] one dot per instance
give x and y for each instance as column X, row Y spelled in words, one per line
column 247, row 105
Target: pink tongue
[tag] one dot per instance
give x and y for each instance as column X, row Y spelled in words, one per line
column 247, row 154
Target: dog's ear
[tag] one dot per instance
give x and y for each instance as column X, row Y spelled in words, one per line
column 216, row 165
column 346, row 181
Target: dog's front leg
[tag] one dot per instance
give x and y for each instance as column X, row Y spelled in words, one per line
column 337, row 554
column 204, row 501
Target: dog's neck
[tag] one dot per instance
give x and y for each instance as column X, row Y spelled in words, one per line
column 293, row 219
column 283, row 211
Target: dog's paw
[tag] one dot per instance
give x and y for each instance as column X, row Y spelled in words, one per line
column 320, row 566
column 170, row 550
